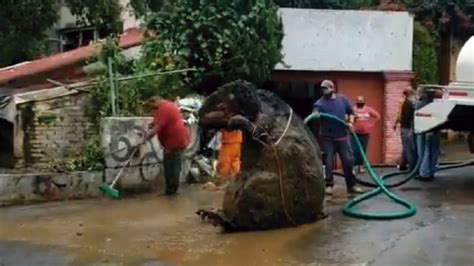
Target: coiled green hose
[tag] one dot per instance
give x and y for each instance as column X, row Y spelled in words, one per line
column 349, row 206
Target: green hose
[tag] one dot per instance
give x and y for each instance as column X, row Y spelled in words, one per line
column 349, row 206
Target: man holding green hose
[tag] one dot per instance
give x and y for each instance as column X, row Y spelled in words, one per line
column 334, row 137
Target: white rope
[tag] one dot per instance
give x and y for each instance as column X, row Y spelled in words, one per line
column 286, row 129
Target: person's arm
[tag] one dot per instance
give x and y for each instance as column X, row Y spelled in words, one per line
column 351, row 119
column 150, row 133
column 349, row 112
column 317, row 107
column 374, row 114
column 159, row 119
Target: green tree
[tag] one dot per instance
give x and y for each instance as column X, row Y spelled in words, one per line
column 23, row 24
column 223, row 39
column 455, row 16
column 327, row 4
column 144, row 7
column 98, row 13
column 425, row 59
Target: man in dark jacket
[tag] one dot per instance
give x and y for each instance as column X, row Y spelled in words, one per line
column 406, row 123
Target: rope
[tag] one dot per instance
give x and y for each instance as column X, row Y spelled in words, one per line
column 273, row 146
column 286, row 128
column 282, row 193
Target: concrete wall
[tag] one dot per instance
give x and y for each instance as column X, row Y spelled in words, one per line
column 36, row 187
column 50, row 131
column 145, row 168
column 343, row 40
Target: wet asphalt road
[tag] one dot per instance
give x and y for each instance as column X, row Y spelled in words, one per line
column 148, row 230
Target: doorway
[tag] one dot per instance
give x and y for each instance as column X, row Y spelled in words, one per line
column 7, row 159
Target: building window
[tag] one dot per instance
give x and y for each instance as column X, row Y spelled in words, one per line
column 73, row 38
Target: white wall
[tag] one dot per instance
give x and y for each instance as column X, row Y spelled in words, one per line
column 66, row 19
column 342, row 40
column 129, row 20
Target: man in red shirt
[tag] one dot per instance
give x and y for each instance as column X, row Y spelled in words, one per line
column 168, row 125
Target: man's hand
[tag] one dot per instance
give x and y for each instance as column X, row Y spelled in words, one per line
column 143, row 142
column 316, row 114
column 350, row 126
column 239, row 121
column 138, row 144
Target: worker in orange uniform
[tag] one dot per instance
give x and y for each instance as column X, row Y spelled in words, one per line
column 228, row 162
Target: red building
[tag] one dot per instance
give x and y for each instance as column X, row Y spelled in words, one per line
column 361, row 56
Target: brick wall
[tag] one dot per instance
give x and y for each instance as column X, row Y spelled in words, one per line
column 51, row 131
column 395, row 84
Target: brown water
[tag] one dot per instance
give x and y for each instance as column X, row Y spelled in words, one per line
column 147, row 228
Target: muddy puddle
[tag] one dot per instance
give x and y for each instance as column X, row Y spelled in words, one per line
column 147, row 229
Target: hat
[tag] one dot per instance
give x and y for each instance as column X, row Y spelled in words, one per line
column 360, row 99
column 327, row 84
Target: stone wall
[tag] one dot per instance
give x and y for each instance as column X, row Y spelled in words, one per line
column 144, row 174
column 50, row 131
column 37, row 187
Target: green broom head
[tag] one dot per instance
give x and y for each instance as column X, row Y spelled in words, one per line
column 109, row 191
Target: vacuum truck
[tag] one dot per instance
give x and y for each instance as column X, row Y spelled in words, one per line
column 451, row 106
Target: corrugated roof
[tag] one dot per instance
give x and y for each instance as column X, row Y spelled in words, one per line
column 131, row 37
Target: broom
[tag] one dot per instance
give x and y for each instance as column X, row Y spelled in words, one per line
column 109, row 190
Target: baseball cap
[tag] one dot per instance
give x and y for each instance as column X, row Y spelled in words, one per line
column 327, row 84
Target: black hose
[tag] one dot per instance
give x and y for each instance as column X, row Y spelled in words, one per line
column 412, row 174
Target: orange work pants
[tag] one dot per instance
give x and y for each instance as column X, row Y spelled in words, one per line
column 228, row 163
